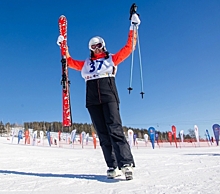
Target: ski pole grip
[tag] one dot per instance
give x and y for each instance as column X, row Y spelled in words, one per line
column 133, row 10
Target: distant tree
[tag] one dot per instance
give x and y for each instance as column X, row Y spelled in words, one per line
column 191, row 133
column 8, row 127
column 2, row 128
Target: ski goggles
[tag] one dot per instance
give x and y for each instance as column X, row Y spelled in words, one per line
column 94, row 46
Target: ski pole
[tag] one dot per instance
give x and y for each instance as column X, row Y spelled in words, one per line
column 133, row 10
column 132, row 60
column 141, row 74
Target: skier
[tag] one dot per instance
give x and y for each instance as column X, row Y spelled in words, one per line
column 102, row 99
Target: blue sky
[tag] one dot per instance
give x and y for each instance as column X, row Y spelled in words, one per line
column 180, row 48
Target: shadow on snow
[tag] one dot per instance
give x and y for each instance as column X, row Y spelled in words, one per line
column 101, row 178
column 204, row 154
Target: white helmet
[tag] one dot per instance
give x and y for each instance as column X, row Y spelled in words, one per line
column 95, row 40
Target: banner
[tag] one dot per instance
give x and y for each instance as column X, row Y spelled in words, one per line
column 94, row 139
column 48, row 138
column 42, row 137
column 20, row 135
column 146, row 138
column 12, row 134
column 181, row 136
column 26, row 134
column 151, row 132
column 196, row 130
column 216, row 132
column 130, row 137
column 83, row 135
column 73, row 136
column 170, row 139
column 34, row 136
column 87, row 138
column 174, row 134
column 208, row 136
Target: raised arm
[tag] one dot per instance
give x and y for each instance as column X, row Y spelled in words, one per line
column 132, row 37
column 126, row 50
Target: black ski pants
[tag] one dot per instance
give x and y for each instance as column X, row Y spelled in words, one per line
column 107, row 122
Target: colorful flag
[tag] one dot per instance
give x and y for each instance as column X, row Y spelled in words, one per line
column 208, row 136
column 170, row 137
column 216, row 129
column 174, row 134
column 20, row 135
column 151, row 132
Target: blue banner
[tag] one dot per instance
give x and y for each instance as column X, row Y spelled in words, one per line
column 216, row 129
column 48, row 137
column 151, row 133
column 20, row 133
column 73, row 135
column 208, row 136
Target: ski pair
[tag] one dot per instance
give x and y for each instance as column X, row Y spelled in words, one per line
column 67, row 117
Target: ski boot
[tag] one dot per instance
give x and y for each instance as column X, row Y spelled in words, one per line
column 113, row 172
column 127, row 170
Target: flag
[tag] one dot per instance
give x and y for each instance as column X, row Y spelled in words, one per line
column 151, row 132
column 20, row 136
column 130, row 137
column 41, row 137
column 174, row 134
column 170, row 137
column 208, row 136
column 83, row 135
column 73, row 135
column 196, row 130
column 181, row 135
column 146, row 138
column 48, row 137
column 216, row 132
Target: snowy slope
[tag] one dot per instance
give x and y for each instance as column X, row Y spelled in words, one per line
column 26, row 169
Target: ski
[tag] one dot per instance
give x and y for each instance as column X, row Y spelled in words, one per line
column 67, row 117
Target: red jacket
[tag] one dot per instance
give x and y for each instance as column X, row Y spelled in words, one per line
column 117, row 58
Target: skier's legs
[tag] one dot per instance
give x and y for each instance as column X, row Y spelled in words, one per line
column 98, row 120
column 119, row 142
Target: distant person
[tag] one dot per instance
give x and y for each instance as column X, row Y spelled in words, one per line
column 20, row 135
column 102, row 101
column 212, row 139
column 135, row 139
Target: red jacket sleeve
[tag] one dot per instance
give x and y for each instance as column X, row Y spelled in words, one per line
column 126, row 50
column 75, row 64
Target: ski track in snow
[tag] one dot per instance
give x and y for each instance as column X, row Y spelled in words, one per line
column 26, row 169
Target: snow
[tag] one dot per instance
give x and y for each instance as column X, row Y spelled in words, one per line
column 40, row 169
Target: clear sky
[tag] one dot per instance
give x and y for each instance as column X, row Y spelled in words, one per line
column 180, row 48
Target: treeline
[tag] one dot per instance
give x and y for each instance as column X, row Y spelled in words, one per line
column 80, row 127
column 88, row 128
